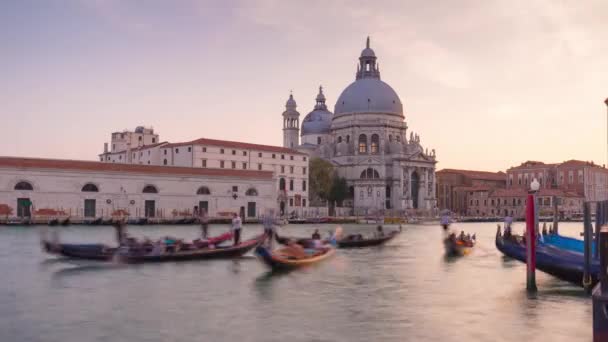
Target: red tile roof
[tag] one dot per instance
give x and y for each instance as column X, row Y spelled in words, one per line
column 486, row 175
column 236, row 144
column 93, row 166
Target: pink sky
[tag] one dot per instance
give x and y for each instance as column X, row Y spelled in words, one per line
column 488, row 84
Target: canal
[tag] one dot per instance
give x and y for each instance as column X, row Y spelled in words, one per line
column 404, row 291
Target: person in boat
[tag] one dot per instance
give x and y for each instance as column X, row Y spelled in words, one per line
column 474, row 237
column 204, row 218
column 294, row 250
column 121, row 231
column 445, row 221
column 462, row 237
column 379, row 231
column 268, row 223
column 316, row 235
column 236, row 228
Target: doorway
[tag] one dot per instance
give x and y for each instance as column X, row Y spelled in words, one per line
column 23, row 207
column 150, row 208
column 415, row 189
column 89, row 208
column 250, row 209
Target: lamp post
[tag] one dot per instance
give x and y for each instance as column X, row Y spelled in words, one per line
column 531, row 226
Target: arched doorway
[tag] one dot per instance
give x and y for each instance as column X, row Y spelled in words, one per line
column 415, row 188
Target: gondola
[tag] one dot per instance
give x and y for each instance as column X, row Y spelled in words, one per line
column 53, row 222
column 106, row 253
column 281, row 260
column 456, row 247
column 66, row 222
column 351, row 241
column 563, row 264
column 283, row 240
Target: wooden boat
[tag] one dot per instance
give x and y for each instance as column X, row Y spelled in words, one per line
column 456, row 247
column 283, row 240
column 282, row 260
column 351, row 241
column 106, row 253
column 563, row 264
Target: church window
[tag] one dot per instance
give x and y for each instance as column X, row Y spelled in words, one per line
column 369, row 173
column 362, row 143
column 375, row 143
column 339, row 139
column 318, row 140
column 24, row 186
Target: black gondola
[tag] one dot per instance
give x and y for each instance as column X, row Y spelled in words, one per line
column 66, row 222
column 53, row 222
column 104, row 253
column 560, row 263
column 352, row 241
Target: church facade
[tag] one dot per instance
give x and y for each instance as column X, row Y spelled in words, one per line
column 366, row 139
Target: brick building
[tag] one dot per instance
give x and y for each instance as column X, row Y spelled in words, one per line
column 456, row 188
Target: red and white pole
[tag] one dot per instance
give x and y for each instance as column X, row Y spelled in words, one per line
column 530, row 244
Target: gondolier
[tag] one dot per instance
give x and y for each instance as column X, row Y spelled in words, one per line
column 268, row 223
column 236, row 228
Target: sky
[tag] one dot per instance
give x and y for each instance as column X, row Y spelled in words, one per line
column 487, row 84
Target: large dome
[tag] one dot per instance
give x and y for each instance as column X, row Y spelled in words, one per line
column 368, row 95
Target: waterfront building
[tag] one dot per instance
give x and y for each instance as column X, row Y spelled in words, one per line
column 585, row 179
column 88, row 189
column 366, row 139
column 457, row 188
column 289, row 167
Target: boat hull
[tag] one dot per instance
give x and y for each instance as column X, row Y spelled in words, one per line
column 367, row 242
column 279, row 263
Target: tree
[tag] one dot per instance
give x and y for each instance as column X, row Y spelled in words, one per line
column 320, row 180
column 339, row 190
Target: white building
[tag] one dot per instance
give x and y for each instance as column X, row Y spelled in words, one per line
column 87, row 189
column 366, row 139
column 288, row 166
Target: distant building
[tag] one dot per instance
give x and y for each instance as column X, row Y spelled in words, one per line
column 585, row 179
column 288, row 166
column 37, row 188
column 456, row 188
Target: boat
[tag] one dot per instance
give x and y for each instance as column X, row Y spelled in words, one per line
column 296, row 220
column 457, row 247
column 351, row 241
column 53, row 222
column 66, row 222
column 106, row 253
column 217, row 252
column 561, row 263
column 565, row 242
column 282, row 260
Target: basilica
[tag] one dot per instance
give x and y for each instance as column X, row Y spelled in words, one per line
column 367, row 141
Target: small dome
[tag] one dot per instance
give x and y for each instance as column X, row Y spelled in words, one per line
column 291, row 103
column 368, row 95
column 368, row 52
column 317, row 122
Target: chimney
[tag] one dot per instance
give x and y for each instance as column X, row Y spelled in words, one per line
column 105, row 147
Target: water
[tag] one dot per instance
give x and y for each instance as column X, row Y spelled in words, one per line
column 405, row 291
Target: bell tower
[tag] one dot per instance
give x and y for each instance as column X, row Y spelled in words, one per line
column 368, row 68
column 291, row 124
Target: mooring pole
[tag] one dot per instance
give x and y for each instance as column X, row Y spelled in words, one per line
column 587, row 246
column 600, row 292
column 530, row 244
column 599, row 222
column 555, row 216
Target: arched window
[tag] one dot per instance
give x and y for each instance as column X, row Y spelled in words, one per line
column 369, row 173
column 318, row 140
column 362, row 143
column 90, row 187
column 282, row 184
column 24, row 186
column 203, row 190
column 150, row 189
column 375, row 143
column 339, row 139
column 251, row 192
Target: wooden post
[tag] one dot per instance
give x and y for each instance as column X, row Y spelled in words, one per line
column 599, row 222
column 555, row 216
column 600, row 293
column 587, row 246
column 530, row 244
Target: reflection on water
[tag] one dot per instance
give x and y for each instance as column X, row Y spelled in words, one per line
column 407, row 290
